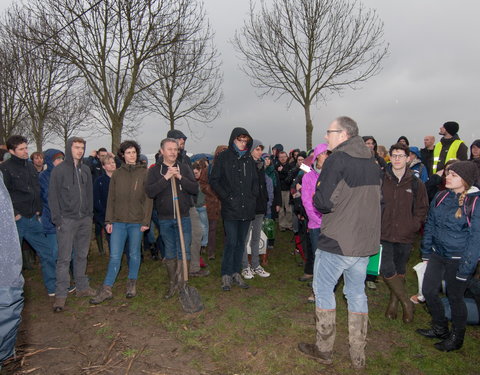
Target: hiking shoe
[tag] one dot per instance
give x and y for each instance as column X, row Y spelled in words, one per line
column 237, row 280
column 261, row 272
column 131, row 288
column 311, row 298
column 104, row 293
column 247, row 273
column 226, row 283
column 305, row 277
column 71, row 289
column 51, row 294
column 371, row 285
column 89, row 292
column 202, row 272
column 59, row 304
column 311, row 350
column 416, row 299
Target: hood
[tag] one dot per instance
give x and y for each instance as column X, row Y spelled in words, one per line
column 49, row 156
column 68, row 152
column 320, row 148
column 476, row 142
column 473, row 190
column 355, row 147
column 236, row 132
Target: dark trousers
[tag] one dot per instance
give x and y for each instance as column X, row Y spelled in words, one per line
column 394, row 258
column 313, row 234
column 440, row 268
column 235, row 238
column 212, row 237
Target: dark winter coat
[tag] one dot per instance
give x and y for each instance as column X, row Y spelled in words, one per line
column 160, row 189
column 235, row 180
column 262, row 197
column 348, row 195
column 100, row 197
column 70, row 193
column 401, row 218
column 453, row 238
column 21, row 180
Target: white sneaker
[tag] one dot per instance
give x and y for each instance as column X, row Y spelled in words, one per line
column 247, row 273
column 261, row 272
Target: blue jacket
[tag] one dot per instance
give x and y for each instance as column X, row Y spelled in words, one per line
column 453, row 238
column 44, row 179
column 100, row 198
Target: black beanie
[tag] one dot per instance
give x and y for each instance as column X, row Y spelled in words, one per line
column 451, row 127
column 404, row 138
column 467, row 170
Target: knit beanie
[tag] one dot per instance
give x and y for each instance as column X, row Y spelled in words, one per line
column 467, row 170
column 278, row 147
column 255, row 144
column 404, row 138
column 451, row 127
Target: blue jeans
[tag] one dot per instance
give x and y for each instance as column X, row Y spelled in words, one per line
column 171, row 238
column 121, row 232
column 327, row 270
column 202, row 214
column 236, row 235
column 31, row 230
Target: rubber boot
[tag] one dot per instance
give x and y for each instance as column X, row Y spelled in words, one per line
column 437, row 331
column 104, row 293
column 357, row 337
column 453, row 342
column 171, row 265
column 391, row 312
column 131, row 288
column 322, row 350
column 397, row 286
column 99, row 240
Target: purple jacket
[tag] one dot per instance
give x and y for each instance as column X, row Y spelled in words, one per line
column 309, row 183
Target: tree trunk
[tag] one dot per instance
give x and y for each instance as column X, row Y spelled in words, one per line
column 116, row 131
column 308, row 126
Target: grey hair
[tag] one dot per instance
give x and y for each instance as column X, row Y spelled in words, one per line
column 167, row 140
column 349, row 125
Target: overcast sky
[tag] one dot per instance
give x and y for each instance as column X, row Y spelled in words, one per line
column 432, row 75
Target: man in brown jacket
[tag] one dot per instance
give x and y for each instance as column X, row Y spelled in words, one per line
column 404, row 211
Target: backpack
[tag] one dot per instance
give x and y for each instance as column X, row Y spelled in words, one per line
column 468, row 204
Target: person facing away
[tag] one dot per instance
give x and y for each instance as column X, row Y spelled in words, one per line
column 348, row 196
column 70, row 198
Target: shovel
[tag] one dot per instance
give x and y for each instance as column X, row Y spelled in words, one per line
column 189, row 297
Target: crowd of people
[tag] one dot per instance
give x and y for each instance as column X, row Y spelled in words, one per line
column 345, row 200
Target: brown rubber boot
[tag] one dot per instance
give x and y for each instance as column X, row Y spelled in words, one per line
column 391, row 312
column 59, row 304
column 322, row 350
column 357, row 337
column 171, row 265
column 131, row 288
column 397, row 285
column 104, row 293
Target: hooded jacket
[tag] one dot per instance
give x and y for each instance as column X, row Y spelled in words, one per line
column 160, row 189
column 453, row 238
column 309, row 183
column 21, row 180
column 234, row 178
column 348, row 195
column 70, row 192
column 127, row 201
column 44, row 178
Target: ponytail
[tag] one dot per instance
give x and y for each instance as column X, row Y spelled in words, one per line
column 461, row 199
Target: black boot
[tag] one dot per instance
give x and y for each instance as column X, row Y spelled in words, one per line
column 437, row 331
column 453, row 342
column 99, row 240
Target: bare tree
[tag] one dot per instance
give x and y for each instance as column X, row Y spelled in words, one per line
column 110, row 42
column 306, row 49
column 42, row 76
column 187, row 76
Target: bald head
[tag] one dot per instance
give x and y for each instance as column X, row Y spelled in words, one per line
column 429, row 142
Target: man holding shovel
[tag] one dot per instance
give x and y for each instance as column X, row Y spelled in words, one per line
column 163, row 178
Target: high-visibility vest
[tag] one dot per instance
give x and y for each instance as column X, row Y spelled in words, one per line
column 451, row 153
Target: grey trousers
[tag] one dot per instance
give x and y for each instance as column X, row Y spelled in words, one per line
column 72, row 234
column 196, row 239
column 256, row 229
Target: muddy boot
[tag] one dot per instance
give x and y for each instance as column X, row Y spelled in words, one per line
column 104, row 293
column 453, row 342
column 391, row 312
column 226, row 283
column 437, row 331
column 357, row 337
column 322, row 350
column 397, row 286
column 99, row 240
column 131, row 288
column 171, row 265
column 237, row 280
column 59, row 304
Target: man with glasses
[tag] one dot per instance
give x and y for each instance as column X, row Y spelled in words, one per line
column 348, row 195
column 405, row 206
column 234, row 179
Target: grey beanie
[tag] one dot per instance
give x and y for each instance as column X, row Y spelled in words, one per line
column 255, row 144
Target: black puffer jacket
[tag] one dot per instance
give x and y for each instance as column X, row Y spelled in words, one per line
column 234, row 178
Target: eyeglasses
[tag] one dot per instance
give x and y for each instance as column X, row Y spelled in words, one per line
column 334, row 131
column 398, row 156
column 242, row 140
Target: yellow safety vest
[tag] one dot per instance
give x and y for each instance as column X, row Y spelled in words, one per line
column 451, row 153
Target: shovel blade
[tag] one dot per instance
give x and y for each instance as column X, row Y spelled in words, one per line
column 190, row 299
